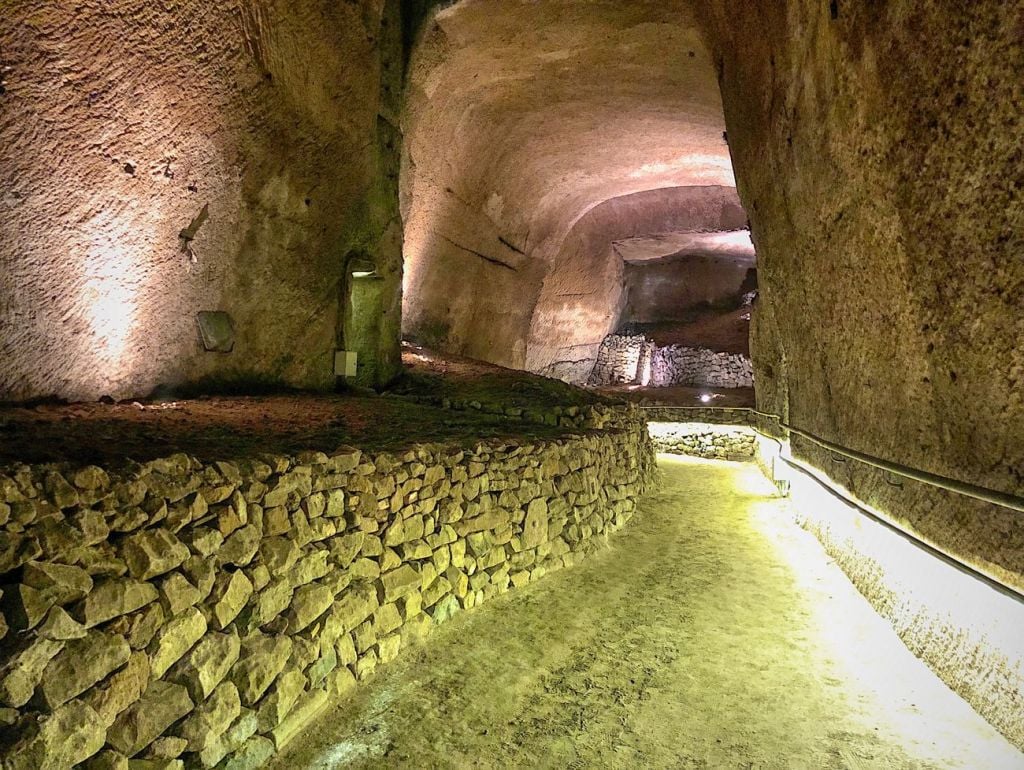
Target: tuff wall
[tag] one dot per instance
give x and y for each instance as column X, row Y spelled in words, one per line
column 200, row 614
column 167, row 159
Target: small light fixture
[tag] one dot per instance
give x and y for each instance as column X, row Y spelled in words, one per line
column 705, row 398
column 363, row 268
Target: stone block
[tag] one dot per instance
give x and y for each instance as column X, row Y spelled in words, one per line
column 241, row 546
column 399, row 582
column 262, row 658
column 60, row 583
column 535, row 527
column 343, row 548
column 152, row 552
column 211, row 718
column 279, row 554
column 57, row 741
column 166, row 747
column 120, row 690
column 175, row 639
column 25, row 607
column 253, row 754
column 445, row 609
column 206, row 665
column 23, row 669
column 243, row 728
column 273, row 600
column 155, row 764
column 178, row 594
column 107, row 760
column 389, row 647
column 111, row 598
column 231, row 591
column 146, row 720
column 305, row 711
column 311, row 567
column 59, row 626
column 282, row 696
column 81, row 664
column 346, row 649
column 308, row 603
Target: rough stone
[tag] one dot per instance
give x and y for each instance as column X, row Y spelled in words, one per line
column 152, row 553
column 162, row 705
column 111, row 598
column 59, row 626
column 262, row 658
column 211, row 718
column 305, row 711
column 308, row 603
column 60, row 583
column 241, row 546
column 81, row 664
column 120, row 690
column 175, row 639
column 399, row 582
column 23, row 669
column 231, row 592
column 69, row 735
column 282, row 696
column 254, row 753
column 206, row 665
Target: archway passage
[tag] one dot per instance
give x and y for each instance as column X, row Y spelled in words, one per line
column 567, row 170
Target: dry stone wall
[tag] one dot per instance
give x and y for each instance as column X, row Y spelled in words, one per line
column 677, row 365
column 190, row 614
column 713, row 442
column 629, row 359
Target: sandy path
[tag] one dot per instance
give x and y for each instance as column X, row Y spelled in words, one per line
column 712, row 633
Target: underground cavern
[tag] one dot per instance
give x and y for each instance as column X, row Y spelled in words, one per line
column 512, row 384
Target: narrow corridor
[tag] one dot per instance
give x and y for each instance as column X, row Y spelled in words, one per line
column 712, row 633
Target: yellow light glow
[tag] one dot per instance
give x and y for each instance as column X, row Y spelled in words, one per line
column 109, row 297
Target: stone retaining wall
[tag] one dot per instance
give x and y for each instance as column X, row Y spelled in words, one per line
column 197, row 614
column 717, row 442
column 698, row 367
column 633, row 359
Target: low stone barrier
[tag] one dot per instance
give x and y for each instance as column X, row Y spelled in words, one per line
column 633, row 359
column 714, row 442
column 200, row 614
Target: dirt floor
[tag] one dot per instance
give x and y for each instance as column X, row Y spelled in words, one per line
column 224, row 427
column 713, row 633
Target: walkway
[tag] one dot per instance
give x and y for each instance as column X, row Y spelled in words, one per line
column 712, row 634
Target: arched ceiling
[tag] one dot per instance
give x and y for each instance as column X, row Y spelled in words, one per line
column 521, row 118
column 543, row 110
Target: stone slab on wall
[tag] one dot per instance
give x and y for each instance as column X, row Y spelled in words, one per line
column 200, row 614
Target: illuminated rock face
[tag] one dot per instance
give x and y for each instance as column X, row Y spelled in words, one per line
column 877, row 152
column 166, row 159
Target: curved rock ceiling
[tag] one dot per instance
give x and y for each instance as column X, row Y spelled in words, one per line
column 524, row 117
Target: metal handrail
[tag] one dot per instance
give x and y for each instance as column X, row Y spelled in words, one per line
column 984, row 494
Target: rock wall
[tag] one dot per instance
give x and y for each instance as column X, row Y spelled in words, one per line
column 713, row 442
column 635, row 359
column 166, row 159
column 890, row 317
column 200, row 615
column 670, row 288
